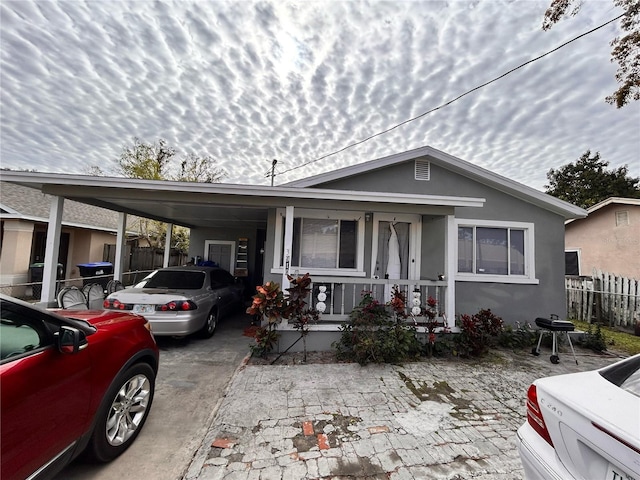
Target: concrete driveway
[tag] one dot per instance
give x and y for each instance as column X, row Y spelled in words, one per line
column 438, row 419
column 191, row 383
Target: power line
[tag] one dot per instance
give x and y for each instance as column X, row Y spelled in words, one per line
column 455, row 99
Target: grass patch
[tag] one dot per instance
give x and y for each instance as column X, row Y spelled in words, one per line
column 615, row 339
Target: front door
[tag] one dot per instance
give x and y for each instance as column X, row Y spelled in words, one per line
column 395, row 249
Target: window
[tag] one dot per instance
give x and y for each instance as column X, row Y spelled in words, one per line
column 572, row 262
column 17, row 334
column 178, row 279
column 490, row 251
column 321, row 243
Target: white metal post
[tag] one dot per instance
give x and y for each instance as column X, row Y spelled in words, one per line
column 450, row 243
column 167, row 245
column 49, row 274
column 121, row 243
column 288, row 246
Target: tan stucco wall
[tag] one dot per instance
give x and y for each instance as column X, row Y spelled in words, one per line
column 15, row 253
column 86, row 246
column 605, row 246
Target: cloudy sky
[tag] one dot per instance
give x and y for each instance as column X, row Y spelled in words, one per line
column 248, row 82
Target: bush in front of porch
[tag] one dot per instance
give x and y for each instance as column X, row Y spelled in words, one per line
column 378, row 334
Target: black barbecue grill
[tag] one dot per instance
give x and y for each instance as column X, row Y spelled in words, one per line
column 554, row 326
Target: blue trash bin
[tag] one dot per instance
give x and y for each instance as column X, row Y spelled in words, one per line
column 96, row 269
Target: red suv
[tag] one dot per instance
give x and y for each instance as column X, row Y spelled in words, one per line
column 72, row 381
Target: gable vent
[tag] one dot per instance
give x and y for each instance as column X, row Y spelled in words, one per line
column 423, row 169
column 622, row 218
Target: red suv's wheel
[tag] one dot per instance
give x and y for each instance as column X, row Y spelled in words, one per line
column 122, row 416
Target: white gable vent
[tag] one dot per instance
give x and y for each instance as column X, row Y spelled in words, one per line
column 622, row 218
column 423, row 169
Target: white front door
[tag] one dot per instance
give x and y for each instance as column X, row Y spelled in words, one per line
column 404, row 233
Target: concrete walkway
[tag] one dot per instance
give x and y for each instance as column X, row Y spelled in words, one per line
column 436, row 419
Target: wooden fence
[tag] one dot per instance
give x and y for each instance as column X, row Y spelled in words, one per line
column 144, row 258
column 604, row 298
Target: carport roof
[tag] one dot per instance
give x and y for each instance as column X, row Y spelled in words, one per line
column 201, row 204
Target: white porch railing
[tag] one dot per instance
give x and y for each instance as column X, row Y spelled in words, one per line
column 345, row 293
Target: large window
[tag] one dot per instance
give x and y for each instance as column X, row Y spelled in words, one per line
column 323, row 244
column 490, row 251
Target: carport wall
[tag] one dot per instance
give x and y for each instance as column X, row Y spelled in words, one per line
column 515, row 300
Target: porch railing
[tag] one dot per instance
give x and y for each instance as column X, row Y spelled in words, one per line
column 345, row 293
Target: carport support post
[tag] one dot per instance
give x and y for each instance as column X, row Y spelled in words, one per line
column 121, row 243
column 450, row 269
column 52, row 247
column 167, row 245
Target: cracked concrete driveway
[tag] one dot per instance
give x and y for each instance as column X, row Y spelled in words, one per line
column 191, row 383
column 440, row 419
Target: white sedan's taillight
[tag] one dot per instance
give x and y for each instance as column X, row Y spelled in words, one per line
column 534, row 415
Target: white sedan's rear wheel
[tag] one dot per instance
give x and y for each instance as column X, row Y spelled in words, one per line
column 210, row 325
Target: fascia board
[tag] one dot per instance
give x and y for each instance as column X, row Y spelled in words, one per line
column 29, row 218
column 9, row 210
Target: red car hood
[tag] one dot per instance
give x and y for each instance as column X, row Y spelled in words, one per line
column 100, row 318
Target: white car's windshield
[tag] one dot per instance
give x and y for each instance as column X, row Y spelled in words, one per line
column 174, row 279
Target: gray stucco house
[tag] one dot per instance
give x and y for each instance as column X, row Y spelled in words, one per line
column 462, row 234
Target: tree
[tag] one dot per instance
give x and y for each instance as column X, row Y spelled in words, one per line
column 146, row 160
column 587, row 181
column 200, row 169
column 626, row 49
column 157, row 161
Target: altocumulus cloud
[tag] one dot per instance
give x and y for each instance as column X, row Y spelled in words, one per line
column 249, row 82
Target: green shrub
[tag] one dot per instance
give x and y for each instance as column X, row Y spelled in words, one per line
column 595, row 339
column 377, row 333
column 478, row 333
column 521, row 337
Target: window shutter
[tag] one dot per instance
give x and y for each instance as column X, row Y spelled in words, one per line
column 422, row 169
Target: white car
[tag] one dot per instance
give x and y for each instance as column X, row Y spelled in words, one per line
column 584, row 425
column 179, row 301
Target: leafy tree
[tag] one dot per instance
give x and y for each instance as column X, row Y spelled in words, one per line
column 146, row 160
column 157, row 161
column 626, row 49
column 587, row 181
column 199, row 169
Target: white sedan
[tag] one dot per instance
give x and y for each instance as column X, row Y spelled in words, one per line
column 584, row 425
column 179, row 301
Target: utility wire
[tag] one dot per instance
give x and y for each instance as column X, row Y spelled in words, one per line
column 455, row 99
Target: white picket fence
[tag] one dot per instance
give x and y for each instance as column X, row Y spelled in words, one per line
column 604, row 298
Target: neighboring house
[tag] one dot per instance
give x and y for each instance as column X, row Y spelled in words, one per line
column 462, row 234
column 24, row 217
column 608, row 239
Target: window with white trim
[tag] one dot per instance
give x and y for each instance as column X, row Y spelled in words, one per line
column 322, row 241
column 495, row 250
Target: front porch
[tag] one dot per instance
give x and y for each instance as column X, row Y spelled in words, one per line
column 343, row 294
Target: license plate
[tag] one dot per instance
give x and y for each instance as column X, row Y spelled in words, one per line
column 614, row 473
column 141, row 309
